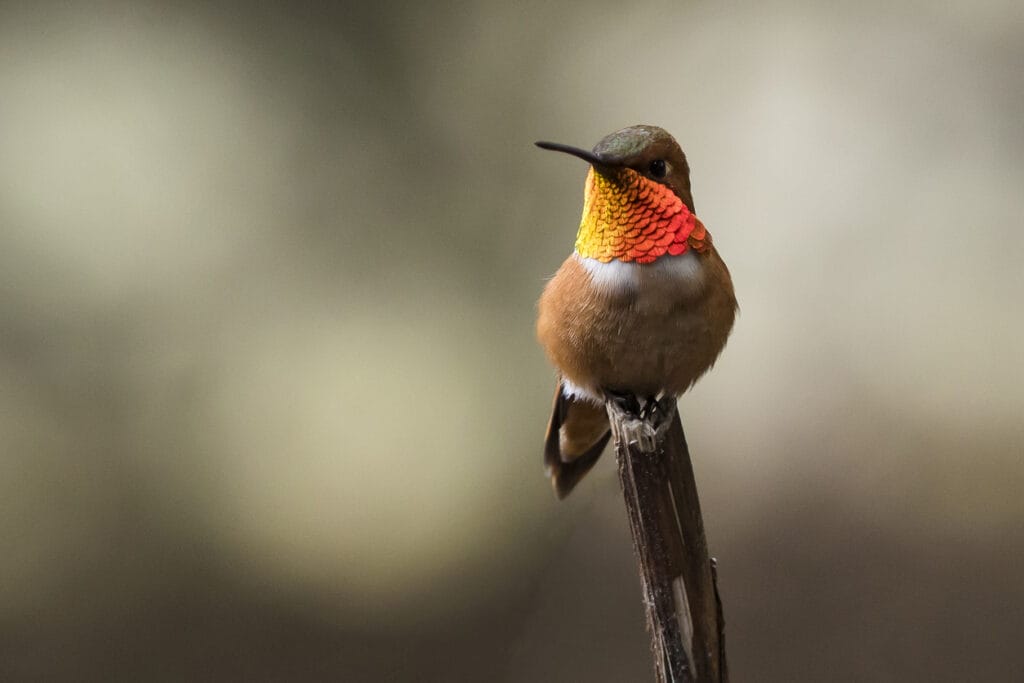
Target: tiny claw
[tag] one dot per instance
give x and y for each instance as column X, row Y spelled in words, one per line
column 661, row 411
column 640, row 426
column 624, row 402
column 641, row 433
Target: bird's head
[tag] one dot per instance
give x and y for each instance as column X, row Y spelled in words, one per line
column 637, row 205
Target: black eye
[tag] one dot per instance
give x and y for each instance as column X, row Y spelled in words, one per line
column 657, row 168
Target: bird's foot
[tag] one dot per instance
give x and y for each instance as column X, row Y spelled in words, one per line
column 640, row 424
column 660, row 412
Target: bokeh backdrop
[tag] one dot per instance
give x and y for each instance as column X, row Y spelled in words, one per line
column 271, row 406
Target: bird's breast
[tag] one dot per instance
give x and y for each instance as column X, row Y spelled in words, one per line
column 641, row 328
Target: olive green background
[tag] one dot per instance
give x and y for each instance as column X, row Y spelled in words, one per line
column 271, row 407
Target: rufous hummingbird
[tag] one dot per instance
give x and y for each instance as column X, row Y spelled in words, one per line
column 644, row 305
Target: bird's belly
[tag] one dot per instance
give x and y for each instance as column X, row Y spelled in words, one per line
column 644, row 353
column 635, row 328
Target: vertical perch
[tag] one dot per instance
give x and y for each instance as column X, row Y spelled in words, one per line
column 684, row 613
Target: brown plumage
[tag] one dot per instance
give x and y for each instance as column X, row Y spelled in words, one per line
column 628, row 328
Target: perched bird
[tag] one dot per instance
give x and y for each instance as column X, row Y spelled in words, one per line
column 644, row 305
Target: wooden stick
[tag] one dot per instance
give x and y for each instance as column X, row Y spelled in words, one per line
column 679, row 582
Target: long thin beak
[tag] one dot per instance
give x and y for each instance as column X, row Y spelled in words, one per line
column 588, row 157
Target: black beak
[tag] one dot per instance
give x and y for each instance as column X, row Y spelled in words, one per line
column 599, row 163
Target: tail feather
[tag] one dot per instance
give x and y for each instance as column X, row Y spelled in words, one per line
column 577, row 434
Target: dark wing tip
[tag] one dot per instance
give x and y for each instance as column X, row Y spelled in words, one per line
column 568, row 474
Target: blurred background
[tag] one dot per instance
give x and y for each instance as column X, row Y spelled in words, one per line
column 271, row 407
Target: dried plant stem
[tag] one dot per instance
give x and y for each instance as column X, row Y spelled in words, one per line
column 679, row 581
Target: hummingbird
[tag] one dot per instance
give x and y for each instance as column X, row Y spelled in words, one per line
column 643, row 306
